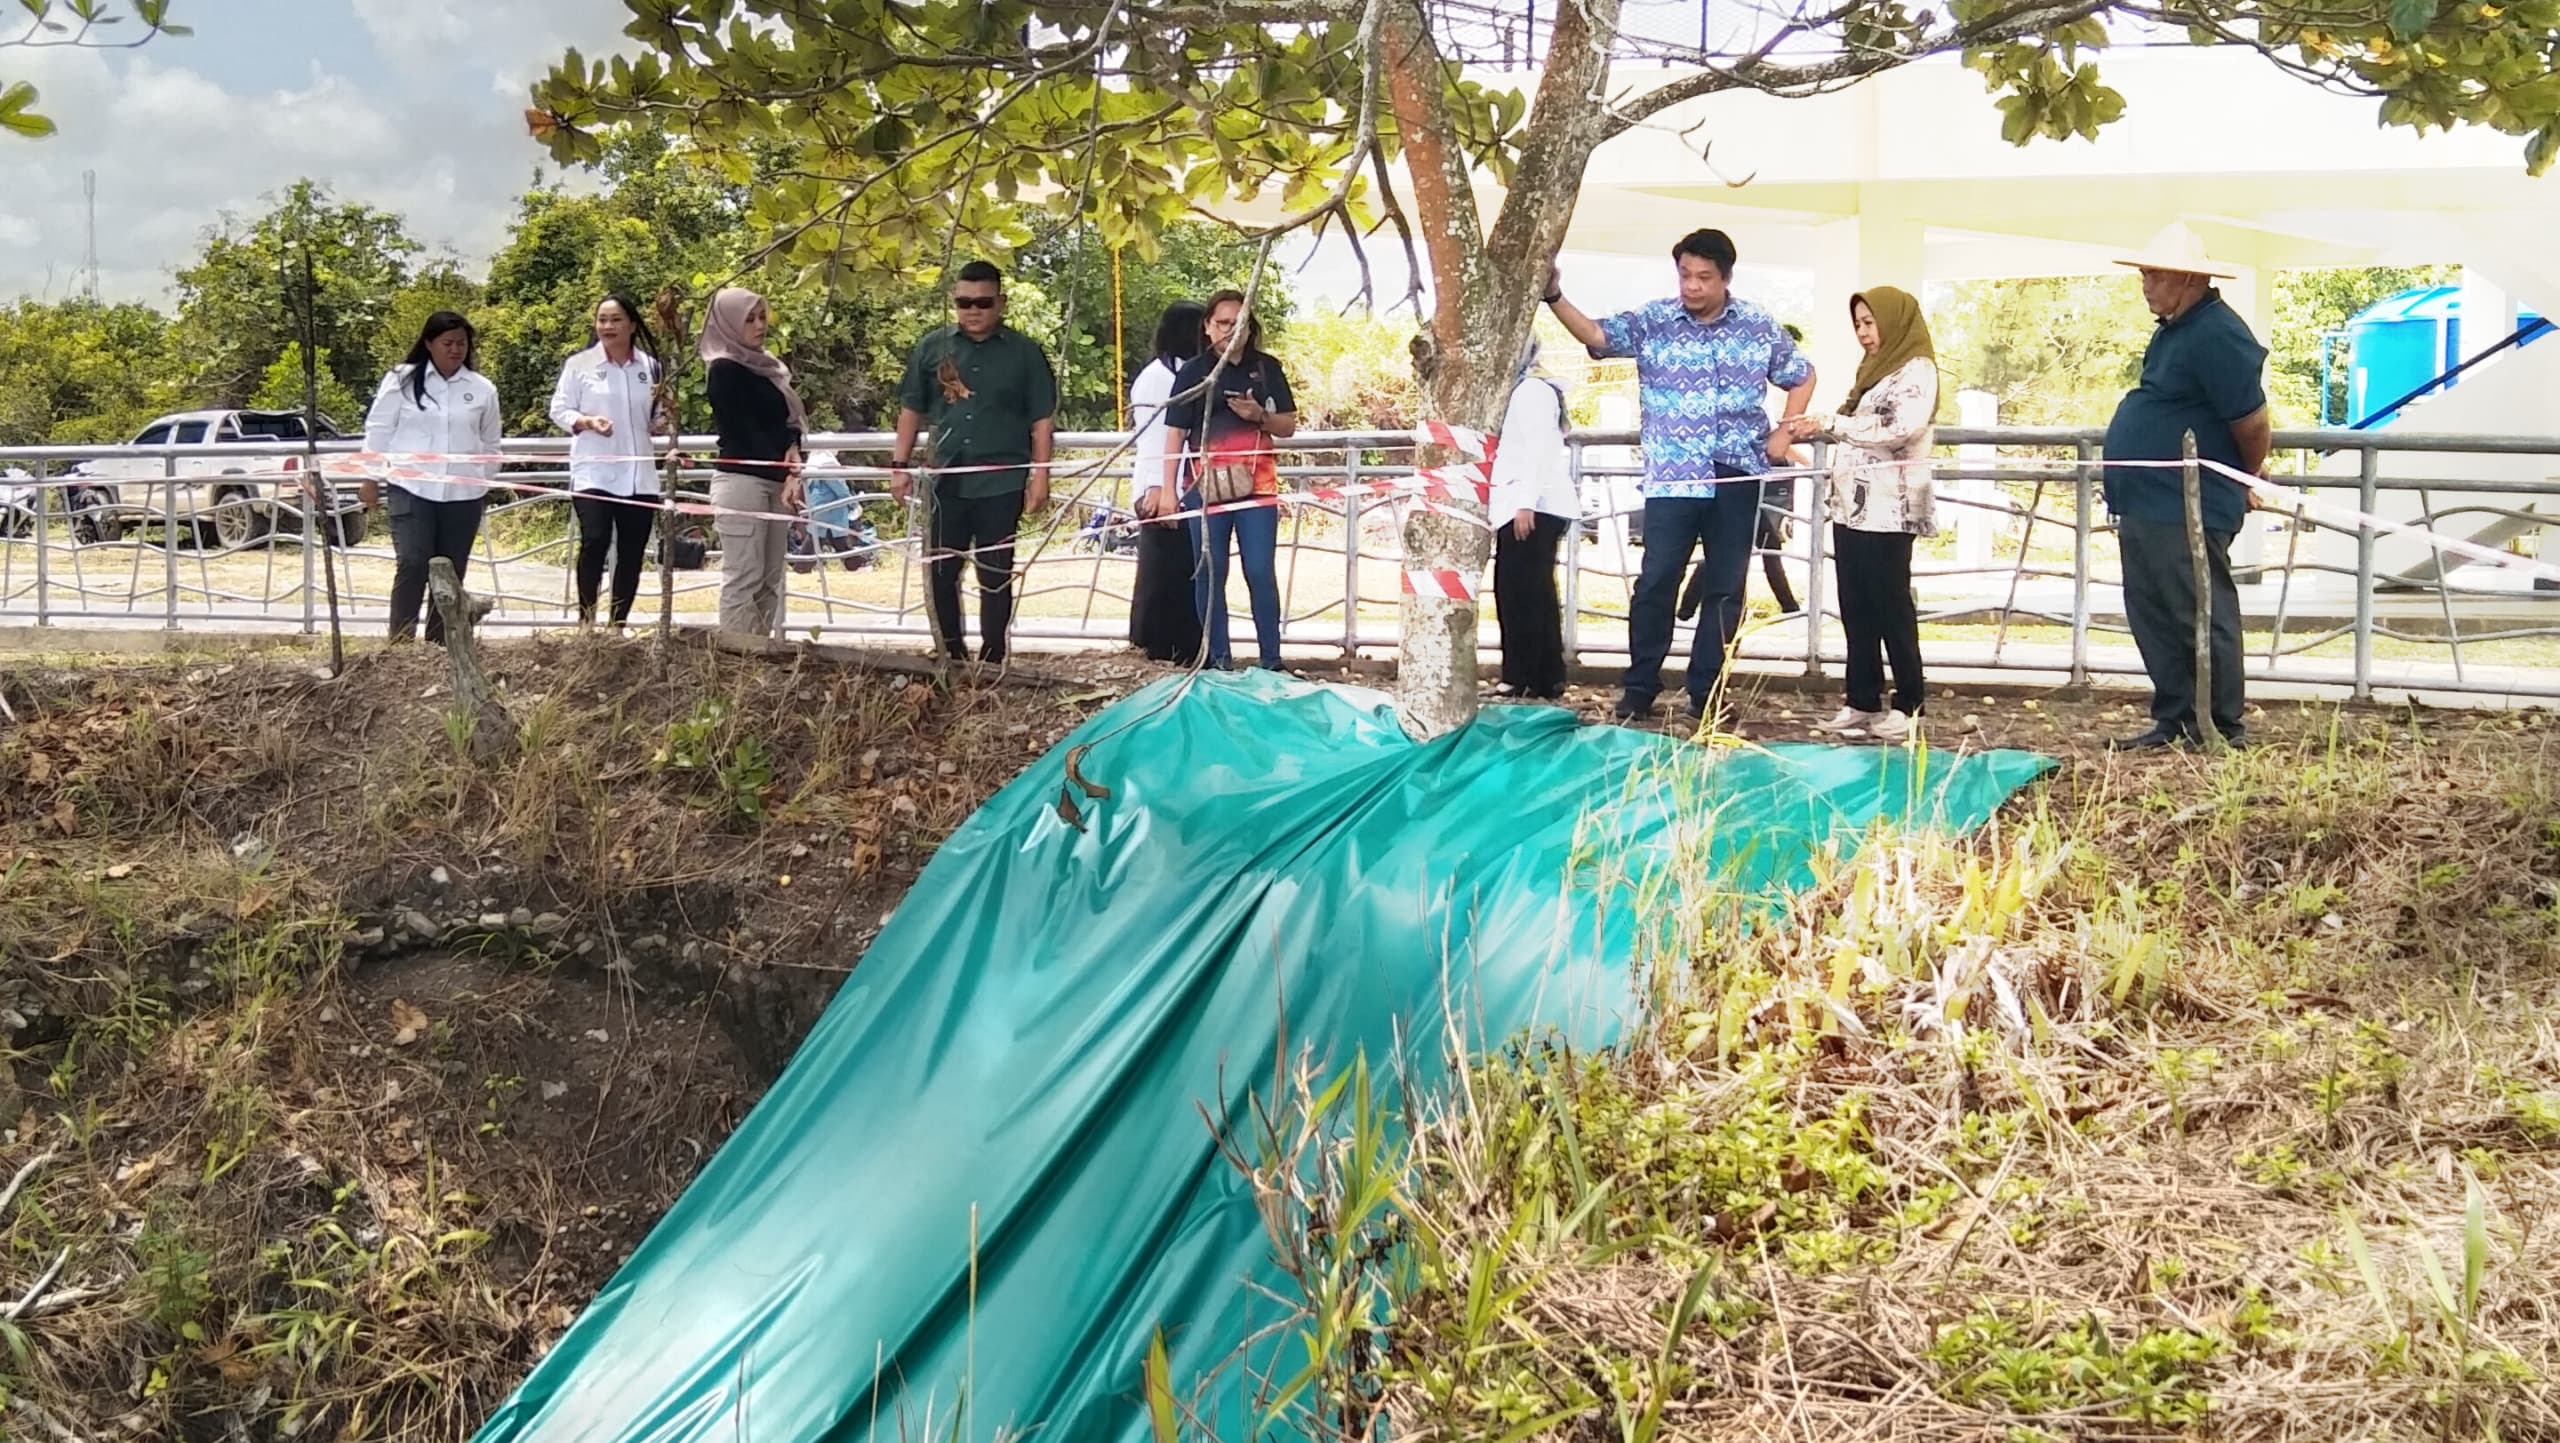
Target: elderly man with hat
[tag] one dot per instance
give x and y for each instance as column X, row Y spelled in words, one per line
column 2203, row 373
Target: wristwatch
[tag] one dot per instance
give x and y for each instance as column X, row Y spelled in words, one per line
column 1551, row 297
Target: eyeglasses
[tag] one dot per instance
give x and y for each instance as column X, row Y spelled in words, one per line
column 974, row 303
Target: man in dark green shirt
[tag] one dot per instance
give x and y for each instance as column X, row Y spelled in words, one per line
column 990, row 399
column 2202, row 373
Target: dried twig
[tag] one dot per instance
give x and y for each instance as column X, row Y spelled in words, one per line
column 32, row 1166
column 36, row 1289
column 53, row 1427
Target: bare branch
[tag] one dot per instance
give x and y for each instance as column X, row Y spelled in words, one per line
column 1394, row 214
column 1756, row 72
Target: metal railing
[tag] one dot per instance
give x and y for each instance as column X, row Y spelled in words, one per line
column 2022, row 578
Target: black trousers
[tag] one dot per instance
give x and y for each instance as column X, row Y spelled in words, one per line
column 1674, row 528
column 1771, row 541
column 1524, row 596
column 422, row 530
column 985, row 526
column 607, row 523
column 1164, row 614
column 1873, row 569
column 2160, row 606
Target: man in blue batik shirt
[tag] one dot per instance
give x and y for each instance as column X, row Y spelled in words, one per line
column 1704, row 366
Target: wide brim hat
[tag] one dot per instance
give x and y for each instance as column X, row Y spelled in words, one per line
column 2176, row 248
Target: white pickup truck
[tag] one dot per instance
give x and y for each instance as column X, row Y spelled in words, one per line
column 219, row 496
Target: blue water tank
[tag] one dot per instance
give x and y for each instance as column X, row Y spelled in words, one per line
column 2397, row 345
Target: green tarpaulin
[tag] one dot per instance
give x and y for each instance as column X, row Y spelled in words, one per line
column 1033, row 1037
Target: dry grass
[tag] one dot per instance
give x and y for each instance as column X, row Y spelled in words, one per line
column 2203, row 1099
column 298, row 1166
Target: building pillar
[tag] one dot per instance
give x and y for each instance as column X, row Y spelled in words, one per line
column 1976, row 526
column 2253, row 294
column 1847, row 257
column 2488, row 313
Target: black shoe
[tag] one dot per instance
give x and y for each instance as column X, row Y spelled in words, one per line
column 1697, row 713
column 1632, row 707
column 2152, row 740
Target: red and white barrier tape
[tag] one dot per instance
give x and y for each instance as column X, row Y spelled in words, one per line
column 2351, row 518
column 1447, row 585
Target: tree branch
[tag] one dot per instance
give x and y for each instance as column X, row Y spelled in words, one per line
column 1754, row 72
column 1443, row 183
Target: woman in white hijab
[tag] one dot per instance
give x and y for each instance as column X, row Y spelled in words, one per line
column 1532, row 506
column 757, row 479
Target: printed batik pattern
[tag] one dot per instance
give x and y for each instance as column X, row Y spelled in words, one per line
column 1703, row 387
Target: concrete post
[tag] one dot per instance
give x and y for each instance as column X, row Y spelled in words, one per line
column 1975, row 527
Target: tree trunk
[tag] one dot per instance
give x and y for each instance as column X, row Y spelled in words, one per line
column 1485, row 292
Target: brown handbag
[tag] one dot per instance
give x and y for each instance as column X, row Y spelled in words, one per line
column 1225, row 481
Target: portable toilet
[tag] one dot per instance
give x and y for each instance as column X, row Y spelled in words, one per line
column 2398, row 345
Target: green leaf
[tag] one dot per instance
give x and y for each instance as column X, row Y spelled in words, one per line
column 1159, row 1378
column 16, row 118
column 2475, row 1247
column 2366, row 1268
column 2410, row 18
column 2540, row 151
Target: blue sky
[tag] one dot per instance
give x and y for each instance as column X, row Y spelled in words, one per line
column 415, row 105
column 412, row 105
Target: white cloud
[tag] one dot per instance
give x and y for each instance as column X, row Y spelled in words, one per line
column 437, row 136
column 416, row 27
column 512, row 41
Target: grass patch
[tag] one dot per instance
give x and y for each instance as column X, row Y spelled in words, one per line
column 2207, row 1096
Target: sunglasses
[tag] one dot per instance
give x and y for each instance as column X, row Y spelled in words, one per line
column 974, row 303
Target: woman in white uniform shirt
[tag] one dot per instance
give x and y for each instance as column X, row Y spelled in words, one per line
column 606, row 401
column 433, row 402
column 1532, row 506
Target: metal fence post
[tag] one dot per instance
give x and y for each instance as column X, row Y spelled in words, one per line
column 2080, row 499
column 169, row 536
column 1351, row 553
column 44, row 544
column 1819, row 494
column 2368, row 495
column 1573, row 557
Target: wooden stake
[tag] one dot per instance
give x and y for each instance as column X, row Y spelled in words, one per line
column 317, row 492
column 670, row 309
column 493, row 733
column 2194, row 477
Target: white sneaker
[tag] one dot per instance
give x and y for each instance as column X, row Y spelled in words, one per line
column 1893, row 726
column 1850, row 720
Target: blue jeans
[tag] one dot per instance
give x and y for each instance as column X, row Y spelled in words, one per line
column 1674, row 526
column 1254, row 534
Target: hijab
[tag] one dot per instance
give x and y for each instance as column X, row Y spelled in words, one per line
column 1528, row 371
column 1902, row 336
column 724, row 338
